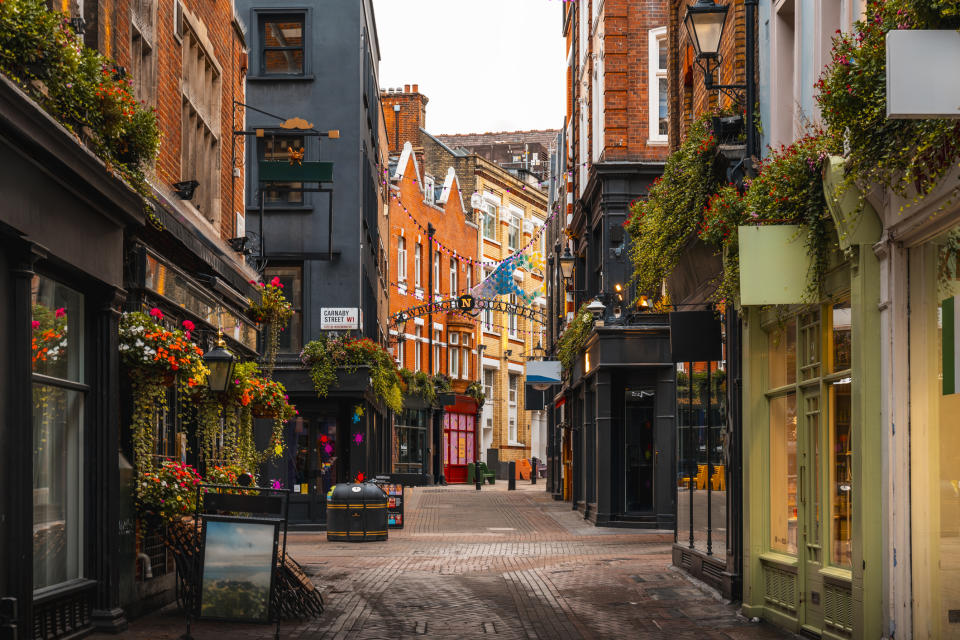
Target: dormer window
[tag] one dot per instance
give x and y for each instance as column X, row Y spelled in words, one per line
column 428, row 190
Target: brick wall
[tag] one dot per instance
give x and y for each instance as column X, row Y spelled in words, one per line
column 109, row 29
column 411, row 117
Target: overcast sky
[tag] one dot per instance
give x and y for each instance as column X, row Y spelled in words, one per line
column 496, row 65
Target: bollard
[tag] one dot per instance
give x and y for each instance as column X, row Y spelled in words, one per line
column 512, row 479
column 478, row 478
column 533, row 471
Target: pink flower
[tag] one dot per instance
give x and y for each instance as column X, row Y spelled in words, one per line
column 59, row 313
column 156, row 313
column 276, row 282
column 189, row 326
column 35, row 324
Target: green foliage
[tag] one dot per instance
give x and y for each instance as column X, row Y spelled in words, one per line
column 788, row 189
column 425, row 386
column 660, row 225
column 904, row 155
column 169, row 491
column 274, row 310
column 329, row 352
column 571, row 343
column 475, row 391
column 76, row 86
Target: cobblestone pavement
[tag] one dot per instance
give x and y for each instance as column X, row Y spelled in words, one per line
column 493, row 564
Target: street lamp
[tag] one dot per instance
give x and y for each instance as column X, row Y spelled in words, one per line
column 704, row 22
column 596, row 308
column 220, row 362
column 567, row 262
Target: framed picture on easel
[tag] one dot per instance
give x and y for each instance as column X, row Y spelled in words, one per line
column 238, row 561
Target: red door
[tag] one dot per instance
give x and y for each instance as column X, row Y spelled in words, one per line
column 457, row 446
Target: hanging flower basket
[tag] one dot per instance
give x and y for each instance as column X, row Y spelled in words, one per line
column 264, row 397
column 262, row 411
column 156, row 352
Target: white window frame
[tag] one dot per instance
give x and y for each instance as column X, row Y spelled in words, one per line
column 437, row 339
column 465, row 365
column 428, row 189
column 402, row 259
column 469, row 277
column 417, row 264
column 436, row 272
column 491, row 211
column 418, row 340
column 512, row 323
column 488, row 312
column 491, row 375
column 453, row 276
column 453, row 361
column 401, row 352
column 513, row 394
column 515, row 230
column 655, row 73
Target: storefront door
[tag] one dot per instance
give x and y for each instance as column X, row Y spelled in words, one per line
column 639, row 451
column 458, row 446
column 313, row 469
column 810, row 512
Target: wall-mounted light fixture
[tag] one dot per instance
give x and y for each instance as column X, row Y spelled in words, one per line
column 185, row 189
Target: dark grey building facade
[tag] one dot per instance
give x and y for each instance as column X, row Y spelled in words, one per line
column 318, row 61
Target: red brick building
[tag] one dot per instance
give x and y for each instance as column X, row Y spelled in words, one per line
column 448, row 346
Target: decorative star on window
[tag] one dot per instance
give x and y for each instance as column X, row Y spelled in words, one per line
column 358, row 438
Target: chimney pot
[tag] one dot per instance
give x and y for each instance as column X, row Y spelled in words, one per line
column 406, row 88
column 416, row 88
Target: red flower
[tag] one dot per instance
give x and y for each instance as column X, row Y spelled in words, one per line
column 59, row 313
column 276, row 282
column 156, row 313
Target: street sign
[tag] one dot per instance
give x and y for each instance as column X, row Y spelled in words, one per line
column 915, row 87
column 339, row 318
column 465, row 302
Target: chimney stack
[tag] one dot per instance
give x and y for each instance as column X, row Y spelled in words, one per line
column 406, row 88
column 404, row 125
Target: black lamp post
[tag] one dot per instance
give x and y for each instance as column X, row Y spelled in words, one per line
column 220, row 361
column 705, row 21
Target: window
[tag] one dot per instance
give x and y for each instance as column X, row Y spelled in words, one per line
column 512, row 391
column 453, row 357
column 453, row 276
column 436, row 273
column 841, row 473
column 402, row 259
column 58, row 432
column 281, row 45
column 783, row 474
column 488, row 381
column 410, row 441
column 291, row 277
column 143, row 64
column 417, row 344
column 428, row 190
column 657, row 80
column 401, row 352
column 437, row 336
column 490, row 213
column 512, row 435
column 277, row 149
column 465, row 365
column 513, row 234
column 512, row 320
column 417, row 258
column 200, row 125
column 487, row 312
column 469, row 277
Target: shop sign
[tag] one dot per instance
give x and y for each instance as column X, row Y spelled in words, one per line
column 339, row 318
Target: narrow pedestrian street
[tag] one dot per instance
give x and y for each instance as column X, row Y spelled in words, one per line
column 493, row 563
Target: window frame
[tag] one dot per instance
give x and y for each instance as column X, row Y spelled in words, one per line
column 418, row 266
column 281, row 199
column 515, row 228
column 491, row 215
column 453, row 276
column 654, row 75
column 401, row 259
column 262, row 17
column 417, row 355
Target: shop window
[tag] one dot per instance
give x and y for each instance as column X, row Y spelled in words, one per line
column 810, row 339
column 782, row 345
column 783, row 474
column 410, row 441
column 841, row 473
column 58, row 432
column 840, row 352
column 277, row 149
column 291, row 277
column 281, row 44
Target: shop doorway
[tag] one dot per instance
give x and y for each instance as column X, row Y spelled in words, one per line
column 313, row 468
column 810, row 511
column 458, row 445
column 639, row 447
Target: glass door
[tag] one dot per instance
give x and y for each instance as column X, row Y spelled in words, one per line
column 639, row 451
column 811, row 513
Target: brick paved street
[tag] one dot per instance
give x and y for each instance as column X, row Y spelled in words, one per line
column 493, row 563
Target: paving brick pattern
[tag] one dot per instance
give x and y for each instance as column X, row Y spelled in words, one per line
column 493, row 564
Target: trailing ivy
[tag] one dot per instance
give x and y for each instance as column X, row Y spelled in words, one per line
column 908, row 156
column 660, row 225
column 571, row 343
column 329, row 352
column 425, row 386
column 475, row 391
column 788, row 189
column 77, row 86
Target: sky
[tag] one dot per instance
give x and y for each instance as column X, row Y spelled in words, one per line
column 496, row 65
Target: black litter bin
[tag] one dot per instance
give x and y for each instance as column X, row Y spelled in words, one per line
column 357, row 513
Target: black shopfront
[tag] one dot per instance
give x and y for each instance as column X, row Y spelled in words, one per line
column 62, row 224
column 618, row 414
